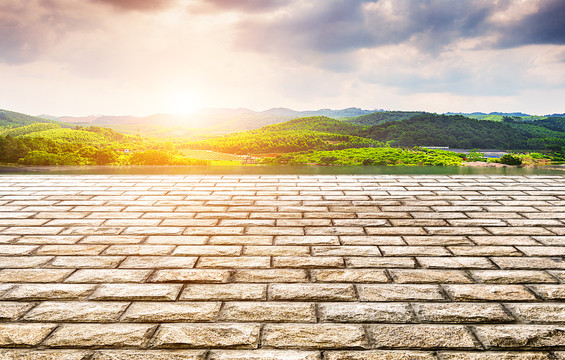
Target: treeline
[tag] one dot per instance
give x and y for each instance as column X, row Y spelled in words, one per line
column 378, row 118
column 257, row 142
column 462, row 132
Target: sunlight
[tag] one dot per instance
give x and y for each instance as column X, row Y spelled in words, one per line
column 182, row 104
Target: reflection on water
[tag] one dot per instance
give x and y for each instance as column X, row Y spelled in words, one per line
column 283, row 170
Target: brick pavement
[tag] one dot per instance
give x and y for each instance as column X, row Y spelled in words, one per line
column 282, row 267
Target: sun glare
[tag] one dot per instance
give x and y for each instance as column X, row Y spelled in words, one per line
column 183, row 104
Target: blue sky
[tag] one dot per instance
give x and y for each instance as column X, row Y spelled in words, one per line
column 79, row 57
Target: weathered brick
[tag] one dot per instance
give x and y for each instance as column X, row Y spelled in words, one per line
column 217, row 335
column 268, row 312
column 191, row 276
column 150, row 262
column 22, row 354
column 49, row 292
column 379, row 355
column 550, row 292
column 77, row 311
column 108, row 276
column 224, row 292
column 234, row 262
column 512, row 276
column 34, row 275
column 271, row 275
column 422, row 337
column 86, row 335
column 171, row 311
column 539, row 313
column 263, row 355
column 350, row 275
column 521, row 336
column 136, row 292
column 462, row 313
column 366, row 312
column 424, row 276
column 499, row 355
column 478, row 292
column 14, row 334
column 396, row 292
column 13, row 310
column 314, row 336
column 314, row 292
column 149, row 355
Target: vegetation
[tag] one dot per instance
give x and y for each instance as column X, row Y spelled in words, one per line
column 510, row 159
column 13, row 119
column 369, row 156
column 378, row 118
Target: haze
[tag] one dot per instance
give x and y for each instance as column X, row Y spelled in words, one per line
column 130, row 57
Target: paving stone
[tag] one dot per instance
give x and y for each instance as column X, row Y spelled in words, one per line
column 521, row 336
column 271, row 276
column 44, row 354
column 397, row 292
column 218, row 335
column 268, row 312
column 512, row 276
column 136, row 292
column 539, row 313
column 379, row 355
column 234, row 262
column 191, row 276
column 314, row 336
column 350, row 275
column 108, row 335
column 550, row 292
column 263, row 355
column 478, row 292
column 422, row 337
column 49, row 292
column 224, row 292
column 462, row 313
column 425, row 276
column 149, row 355
column 499, row 355
column 172, row 312
column 74, row 311
column 14, row 334
column 150, row 262
column 108, row 276
column 313, row 292
column 33, row 275
column 366, row 312
column 11, row 310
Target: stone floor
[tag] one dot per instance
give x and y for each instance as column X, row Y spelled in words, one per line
column 282, row 267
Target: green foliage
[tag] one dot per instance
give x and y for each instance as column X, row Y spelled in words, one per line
column 38, row 157
column 69, row 135
column 475, row 155
column 160, row 157
column 11, row 119
column 314, row 123
column 28, row 129
column 12, row 149
column 370, row 156
column 382, row 117
column 510, row 159
column 452, row 131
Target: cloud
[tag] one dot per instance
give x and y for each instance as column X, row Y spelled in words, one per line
column 32, row 28
column 140, row 5
column 238, row 5
column 545, row 26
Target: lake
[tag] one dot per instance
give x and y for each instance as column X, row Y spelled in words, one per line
column 284, row 170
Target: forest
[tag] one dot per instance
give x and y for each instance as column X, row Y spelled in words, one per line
column 381, row 138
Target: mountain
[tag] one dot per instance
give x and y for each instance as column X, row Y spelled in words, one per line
column 221, row 120
column 381, row 117
column 13, row 119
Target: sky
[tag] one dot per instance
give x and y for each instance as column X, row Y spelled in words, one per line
column 140, row 57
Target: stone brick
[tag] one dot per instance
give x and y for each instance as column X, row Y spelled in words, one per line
column 521, row 336
column 137, row 292
column 539, row 313
column 23, row 262
column 208, row 250
column 234, row 262
column 314, row 336
column 13, row 310
column 395, row 292
column 108, row 276
column 379, row 355
column 273, row 250
column 307, row 262
column 271, row 275
column 550, row 292
column 366, row 312
column 86, row 261
column 149, row 355
column 172, row 311
column 307, row 240
column 380, row 262
column 217, row 335
column 512, row 276
column 224, row 292
column 34, row 275
column 422, row 337
column 13, row 334
column 349, row 275
column 107, row 335
column 499, row 355
column 312, row 292
column 263, row 355
column 191, row 276
column 21, row 354
column 424, row 276
column 462, row 313
column 530, row 262
column 268, row 312
column 71, row 311
column 49, row 292
column 459, row 262
column 478, row 292
column 150, row 262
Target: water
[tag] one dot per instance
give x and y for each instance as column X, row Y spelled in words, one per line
column 283, row 170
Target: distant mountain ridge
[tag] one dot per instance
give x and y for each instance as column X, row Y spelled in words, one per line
column 225, row 119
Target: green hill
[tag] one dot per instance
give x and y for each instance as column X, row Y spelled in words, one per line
column 28, row 129
column 13, row 119
column 314, row 123
column 382, row 117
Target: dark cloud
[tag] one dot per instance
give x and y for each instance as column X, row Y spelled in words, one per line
column 546, row 26
column 140, row 5
column 30, row 29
